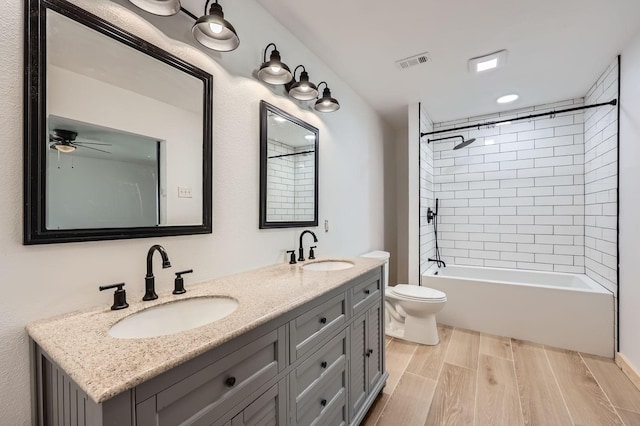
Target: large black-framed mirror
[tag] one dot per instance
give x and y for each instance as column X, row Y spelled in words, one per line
column 118, row 132
column 288, row 170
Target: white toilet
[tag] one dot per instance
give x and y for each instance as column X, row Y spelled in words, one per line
column 411, row 310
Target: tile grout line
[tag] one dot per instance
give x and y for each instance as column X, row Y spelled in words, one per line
column 553, row 373
column 404, row 371
column 475, row 399
column 600, row 387
column 446, row 352
column 513, row 361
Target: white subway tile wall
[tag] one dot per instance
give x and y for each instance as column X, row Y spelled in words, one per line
column 290, row 185
column 427, row 240
column 530, row 195
column 515, row 198
column 304, row 183
column 601, row 168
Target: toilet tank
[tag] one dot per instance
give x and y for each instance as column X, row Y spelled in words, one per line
column 381, row 255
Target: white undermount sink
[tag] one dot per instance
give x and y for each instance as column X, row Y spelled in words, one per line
column 328, row 265
column 173, row 317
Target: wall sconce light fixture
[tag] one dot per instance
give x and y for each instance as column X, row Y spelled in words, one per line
column 274, row 71
column 326, row 103
column 159, row 7
column 303, row 89
column 210, row 30
column 215, row 32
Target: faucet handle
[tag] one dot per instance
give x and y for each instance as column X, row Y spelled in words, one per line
column 292, row 258
column 119, row 296
column 178, row 287
column 312, row 254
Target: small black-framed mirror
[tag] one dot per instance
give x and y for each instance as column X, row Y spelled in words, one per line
column 118, row 132
column 288, row 170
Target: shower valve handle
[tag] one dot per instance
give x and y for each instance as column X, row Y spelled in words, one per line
column 430, row 215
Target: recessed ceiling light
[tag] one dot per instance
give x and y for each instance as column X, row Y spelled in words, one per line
column 310, row 137
column 507, row 99
column 504, row 123
column 488, row 62
column 487, row 65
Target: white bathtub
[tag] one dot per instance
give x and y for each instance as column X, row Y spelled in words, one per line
column 563, row 310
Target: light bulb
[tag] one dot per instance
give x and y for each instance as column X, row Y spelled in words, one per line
column 276, row 68
column 304, row 88
column 326, row 102
column 66, row 148
column 215, row 28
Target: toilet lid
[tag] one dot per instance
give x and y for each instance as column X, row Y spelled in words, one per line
column 417, row 292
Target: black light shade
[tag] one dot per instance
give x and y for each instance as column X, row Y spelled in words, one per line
column 326, row 103
column 303, row 90
column 158, row 7
column 215, row 32
column 274, row 71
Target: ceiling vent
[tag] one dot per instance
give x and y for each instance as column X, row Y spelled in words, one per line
column 421, row 58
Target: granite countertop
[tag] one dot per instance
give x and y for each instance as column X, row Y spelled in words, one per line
column 104, row 366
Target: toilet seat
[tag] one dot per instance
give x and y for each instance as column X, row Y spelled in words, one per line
column 413, row 292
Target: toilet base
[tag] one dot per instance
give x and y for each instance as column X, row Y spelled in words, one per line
column 417, row 330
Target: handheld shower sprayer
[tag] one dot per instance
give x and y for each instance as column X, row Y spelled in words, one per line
column 432, row 215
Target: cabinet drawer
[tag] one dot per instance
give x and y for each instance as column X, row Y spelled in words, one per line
column 320, row 322
column 365, row 293
column 318, row 405
column 338, row 417
column 219, row 386
column 330, row 357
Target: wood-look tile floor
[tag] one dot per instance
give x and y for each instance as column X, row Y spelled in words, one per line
column 472, row 378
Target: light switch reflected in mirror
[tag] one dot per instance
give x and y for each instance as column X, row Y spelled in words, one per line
column 289, row 170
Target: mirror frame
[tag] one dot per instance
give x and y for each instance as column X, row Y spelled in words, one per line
column 266, row 107
column 35, row 137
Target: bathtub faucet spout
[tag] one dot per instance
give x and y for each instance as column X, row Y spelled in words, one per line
column 439, row 262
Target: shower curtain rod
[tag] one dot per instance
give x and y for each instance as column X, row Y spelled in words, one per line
column 289, row 155
column 551, row 114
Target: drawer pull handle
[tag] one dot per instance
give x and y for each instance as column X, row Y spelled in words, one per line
column 323, row 320
column 369, row 352
column 323, row 364
column 367, row 291
column 230, row 382
column 323, row 402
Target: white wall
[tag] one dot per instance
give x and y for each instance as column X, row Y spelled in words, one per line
column 515, row 197
column 85, row 192
column 629, row 291
column 179, row 129
column 407, row 183
column 41, row 281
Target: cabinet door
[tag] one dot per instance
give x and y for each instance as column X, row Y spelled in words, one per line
column 375, row 345
column 268, row 410
column 205, row 396
column 358, row 365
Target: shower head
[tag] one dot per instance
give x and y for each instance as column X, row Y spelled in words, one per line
column 464, row 143
column 460, row 145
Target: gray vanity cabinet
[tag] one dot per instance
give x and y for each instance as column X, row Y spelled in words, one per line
column 319, row 364
column 268, row 410
column 366, row 364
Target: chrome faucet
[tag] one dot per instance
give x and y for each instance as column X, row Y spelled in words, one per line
column 150, row 280
column 301, row 250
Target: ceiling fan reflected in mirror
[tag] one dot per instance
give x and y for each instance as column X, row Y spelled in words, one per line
column 65, row 141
